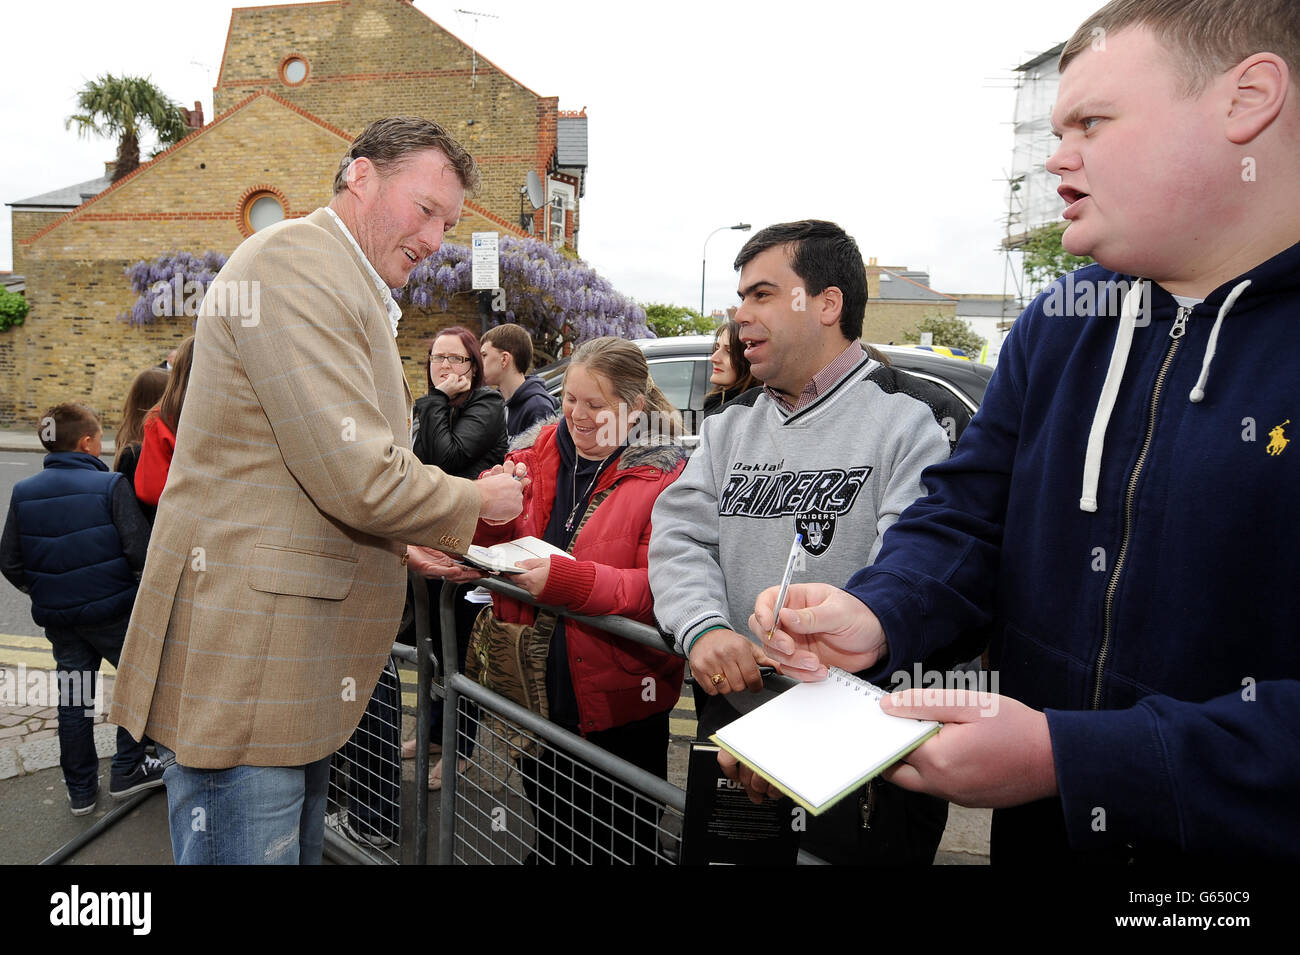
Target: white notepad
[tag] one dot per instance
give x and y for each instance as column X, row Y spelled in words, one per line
column 818, row 742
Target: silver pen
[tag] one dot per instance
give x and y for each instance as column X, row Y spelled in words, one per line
column 785, row 583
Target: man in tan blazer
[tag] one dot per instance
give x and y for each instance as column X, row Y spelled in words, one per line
column 275, row 577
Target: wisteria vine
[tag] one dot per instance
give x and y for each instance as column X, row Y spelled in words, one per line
column 549, row 294
column 172, row 284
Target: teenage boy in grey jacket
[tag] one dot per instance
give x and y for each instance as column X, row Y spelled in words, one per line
column 833, row 447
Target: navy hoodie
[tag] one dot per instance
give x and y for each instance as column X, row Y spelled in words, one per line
column 1159, row 631
column 530, row 404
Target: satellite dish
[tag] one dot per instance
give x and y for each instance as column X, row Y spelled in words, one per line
column 534, row 187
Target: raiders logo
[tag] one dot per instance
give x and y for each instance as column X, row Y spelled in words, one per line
column 818, row 530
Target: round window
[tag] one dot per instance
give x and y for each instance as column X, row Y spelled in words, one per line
column 261, row 210
column 293, row 70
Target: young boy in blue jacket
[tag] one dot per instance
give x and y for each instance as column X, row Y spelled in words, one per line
column 75, row 541
column 1121, row 517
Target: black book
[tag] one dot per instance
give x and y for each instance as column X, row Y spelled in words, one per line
column 722, row 827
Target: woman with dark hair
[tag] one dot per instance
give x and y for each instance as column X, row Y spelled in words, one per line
column 160, row 424
column 143, row 394
column 459, row 426
column 731, row 375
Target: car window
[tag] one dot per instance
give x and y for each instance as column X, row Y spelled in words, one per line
column 674, row 377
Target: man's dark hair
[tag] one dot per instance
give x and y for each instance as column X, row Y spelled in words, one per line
column 821, row 254
column 387, row 142
column 515, row 340
column 64, row 425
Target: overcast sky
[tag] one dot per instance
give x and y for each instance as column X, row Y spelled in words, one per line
column 891, row 118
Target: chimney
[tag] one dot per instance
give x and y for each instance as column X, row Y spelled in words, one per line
column 194, row 117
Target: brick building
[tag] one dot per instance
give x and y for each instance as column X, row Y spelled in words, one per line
column 897, row 300
column 297, row 83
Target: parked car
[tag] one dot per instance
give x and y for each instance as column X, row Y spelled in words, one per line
column 680, row 367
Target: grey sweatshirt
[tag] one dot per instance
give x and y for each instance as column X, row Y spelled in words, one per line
column 839, row 471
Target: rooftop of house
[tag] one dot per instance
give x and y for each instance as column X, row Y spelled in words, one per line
column 905, row 285
column 571, row 140
column 1036, row 61
column 69, row 197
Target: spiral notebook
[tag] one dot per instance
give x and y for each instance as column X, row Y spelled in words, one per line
column 818, row 742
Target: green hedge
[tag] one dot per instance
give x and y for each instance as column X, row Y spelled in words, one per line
column 13, row 309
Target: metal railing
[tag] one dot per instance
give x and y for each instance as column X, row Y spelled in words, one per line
column 526, row 776
column 529, row 791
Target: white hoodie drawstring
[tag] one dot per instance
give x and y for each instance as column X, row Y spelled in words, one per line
column 1199, row 391
column 1115, row 374
column 1109, row 390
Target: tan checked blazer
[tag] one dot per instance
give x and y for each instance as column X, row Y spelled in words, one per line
column 274, row 582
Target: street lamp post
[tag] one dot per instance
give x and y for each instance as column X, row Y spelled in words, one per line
column 704, row 258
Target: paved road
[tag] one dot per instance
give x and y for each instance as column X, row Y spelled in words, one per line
column 15, row 608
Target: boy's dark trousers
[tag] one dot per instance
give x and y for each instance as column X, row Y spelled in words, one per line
column 77, row 653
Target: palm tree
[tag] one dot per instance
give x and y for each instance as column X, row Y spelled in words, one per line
column 122, row 106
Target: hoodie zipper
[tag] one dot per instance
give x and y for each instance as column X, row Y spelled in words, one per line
column 1176, row 334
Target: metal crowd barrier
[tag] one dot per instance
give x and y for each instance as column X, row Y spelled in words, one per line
column 363, row 813
column 363, row 808
column 530, row 791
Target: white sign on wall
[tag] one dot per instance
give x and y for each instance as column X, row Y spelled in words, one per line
column 486, row 260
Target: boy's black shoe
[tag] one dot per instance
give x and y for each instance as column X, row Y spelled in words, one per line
column 147, row 774
column 83, row 805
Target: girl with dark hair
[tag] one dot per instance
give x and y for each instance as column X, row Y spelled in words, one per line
column 160, row 425
column 731, row 375
column 143, row 394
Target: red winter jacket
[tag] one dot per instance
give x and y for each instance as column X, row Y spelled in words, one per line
column 606, row 576
column 155, row 459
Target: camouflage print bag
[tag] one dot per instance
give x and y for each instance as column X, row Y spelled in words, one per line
column 510, row 658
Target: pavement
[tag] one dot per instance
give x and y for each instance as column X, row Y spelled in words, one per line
column 25, row 439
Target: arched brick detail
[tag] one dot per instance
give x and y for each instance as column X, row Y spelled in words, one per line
column 285, row 62
column 251, row 195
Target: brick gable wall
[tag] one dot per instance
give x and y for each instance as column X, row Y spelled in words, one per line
column 367, row 59
column 373, row 58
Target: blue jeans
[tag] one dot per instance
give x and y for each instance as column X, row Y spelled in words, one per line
column 246, row 815
column 77, row 653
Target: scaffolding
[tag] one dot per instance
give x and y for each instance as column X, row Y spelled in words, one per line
column 1032, row 200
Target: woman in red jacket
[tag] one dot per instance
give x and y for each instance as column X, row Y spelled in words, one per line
column 160, row 429
column 595, row 475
